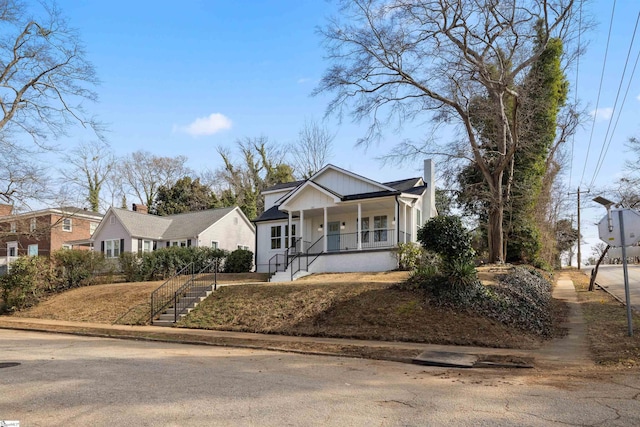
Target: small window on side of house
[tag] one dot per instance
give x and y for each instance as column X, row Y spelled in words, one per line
column 66, row 224
column 32, row 225
column 65, row 246
column 243, row 247
column 12, row 227
column 214, row 244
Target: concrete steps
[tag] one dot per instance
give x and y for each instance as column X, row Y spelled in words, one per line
column 187, row 302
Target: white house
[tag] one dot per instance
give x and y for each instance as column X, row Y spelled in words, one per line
column 136, row 231
column 338, row 221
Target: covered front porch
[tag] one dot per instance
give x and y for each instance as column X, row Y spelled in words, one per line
column 356, row 226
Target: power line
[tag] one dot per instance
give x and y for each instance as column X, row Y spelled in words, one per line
column 605, row 144
column 604, row 64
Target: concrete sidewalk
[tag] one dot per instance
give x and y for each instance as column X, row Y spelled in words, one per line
column 571, row 350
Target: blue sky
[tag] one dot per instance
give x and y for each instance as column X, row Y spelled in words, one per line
column 247, row 68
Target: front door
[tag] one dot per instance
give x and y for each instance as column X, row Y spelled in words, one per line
column 333, row 236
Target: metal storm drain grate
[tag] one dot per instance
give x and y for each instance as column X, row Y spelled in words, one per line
column 8, row 364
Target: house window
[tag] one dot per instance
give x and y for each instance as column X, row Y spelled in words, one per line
column 147, row 245
column 365, row 230
column 65, row 246
column 12, row 251
column 12, row 227
column 214, row 244
column 92, row 227
column 33, row 250
column 293, row 235
column 243, row 247
column 276, row 234
column 66, row 224
column 32, row 225
column 419, row 217
column 380, row 228
column 112, row 248
column 181, row 243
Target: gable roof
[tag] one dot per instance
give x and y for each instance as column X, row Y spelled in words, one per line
column 193, row 223
column 169, row 227
column 404, row 184
column 352, row 174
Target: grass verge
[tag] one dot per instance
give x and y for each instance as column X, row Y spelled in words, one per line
column 606, row 322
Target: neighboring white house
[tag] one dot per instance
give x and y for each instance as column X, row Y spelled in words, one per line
column 136, row 231
column 338, row 221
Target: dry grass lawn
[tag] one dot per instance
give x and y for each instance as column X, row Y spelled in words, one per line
column 123, row 303
column 606, row 322
column 349, row 305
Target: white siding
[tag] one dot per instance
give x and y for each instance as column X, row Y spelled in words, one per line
column 113, row 232
column 265, row 253
column 345, row 184
column 271, row 198
column 309, row 198
column 230, row 231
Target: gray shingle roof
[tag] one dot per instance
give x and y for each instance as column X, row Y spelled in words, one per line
column 169, row 227
column 403, row 184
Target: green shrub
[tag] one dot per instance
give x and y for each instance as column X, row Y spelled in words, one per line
column 28, row 279
column 130, row 266
column 166, row 262
column 75, row 268
column 446, row 236
column 239, row 261
column 460, row 273
column 409, row 255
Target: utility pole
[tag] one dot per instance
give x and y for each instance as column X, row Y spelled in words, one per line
column 579, row 235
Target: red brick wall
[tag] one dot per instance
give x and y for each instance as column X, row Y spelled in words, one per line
column 49, row 235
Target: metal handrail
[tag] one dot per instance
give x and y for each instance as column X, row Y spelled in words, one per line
column 162, row 297
column 306, row 255
column 187, row 293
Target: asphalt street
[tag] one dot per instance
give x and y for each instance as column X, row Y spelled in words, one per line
column 611, row 277
column 80, row 381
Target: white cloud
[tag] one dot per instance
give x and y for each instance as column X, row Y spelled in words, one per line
column 210, row 125
column 638, row 97
column 303, row 80
column 602, row 113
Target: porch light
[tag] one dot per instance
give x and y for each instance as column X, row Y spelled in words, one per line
column 342, row 226
column 320, row 228
column 394, row 221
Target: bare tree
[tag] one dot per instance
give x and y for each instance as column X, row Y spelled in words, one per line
column 262, row 164
column 312, row 150
column 144, row 173
column 44, row 78
column 89, row 165
column 399, row 59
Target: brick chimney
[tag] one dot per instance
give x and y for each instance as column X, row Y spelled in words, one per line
column 6, row 210
column 140, row 208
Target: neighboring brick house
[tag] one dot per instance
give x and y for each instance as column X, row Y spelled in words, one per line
column 44, row 231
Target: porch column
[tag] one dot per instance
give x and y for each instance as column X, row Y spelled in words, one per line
column 301, row 231
column 405, row 222
column 324, row 230
column 397, row 221
column 359, row 222
column 414, row 235
column 289, row 235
